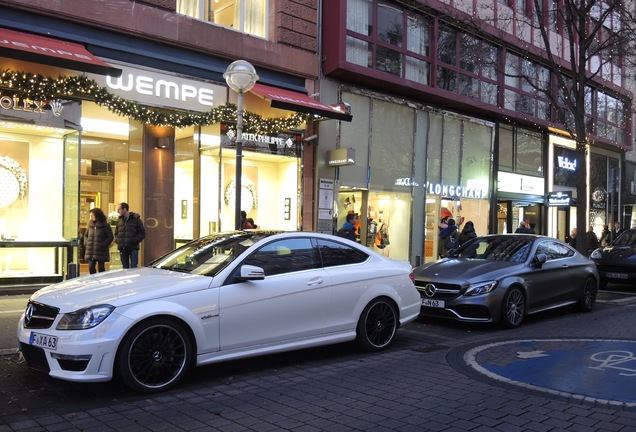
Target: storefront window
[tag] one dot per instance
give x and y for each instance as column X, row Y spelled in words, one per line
column 520, row 151
column 104, row 169
column 32, row 203
column 458, row 174
column 421, row 164
column 270, row 190
column 185, row 200
column 391, row 171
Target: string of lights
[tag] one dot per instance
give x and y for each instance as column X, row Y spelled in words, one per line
column 42, row 88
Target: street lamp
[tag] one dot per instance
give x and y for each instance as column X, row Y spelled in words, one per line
column 240, row 77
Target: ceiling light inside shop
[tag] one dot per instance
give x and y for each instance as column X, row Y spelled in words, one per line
column 105, row 127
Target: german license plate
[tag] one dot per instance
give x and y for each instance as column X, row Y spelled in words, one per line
column 617, row 275
column 43, row 341
column 433, row 303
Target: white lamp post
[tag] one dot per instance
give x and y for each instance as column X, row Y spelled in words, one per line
column 240, row 77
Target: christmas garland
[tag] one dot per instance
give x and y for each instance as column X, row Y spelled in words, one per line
column 39, row 87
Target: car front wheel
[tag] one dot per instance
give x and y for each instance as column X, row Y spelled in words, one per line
column 154, row 356
column 377, row 325
column 513, row 308
column 588, row 295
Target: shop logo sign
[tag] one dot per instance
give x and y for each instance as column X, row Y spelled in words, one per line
column 458, row 191
column 15, row 103
column 565, row 163
column 161, row 89
column 560, row 199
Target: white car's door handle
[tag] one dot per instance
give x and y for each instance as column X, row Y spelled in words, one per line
column 316, row 281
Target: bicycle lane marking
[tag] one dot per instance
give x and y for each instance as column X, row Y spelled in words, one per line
column 594, row 370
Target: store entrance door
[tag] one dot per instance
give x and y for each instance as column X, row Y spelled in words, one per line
column 511, row 213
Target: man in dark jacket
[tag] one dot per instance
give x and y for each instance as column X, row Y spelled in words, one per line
column 129, row 233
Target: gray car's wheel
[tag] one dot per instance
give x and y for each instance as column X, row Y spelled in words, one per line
column 377, row 325
column 154, row 356
column 588, row 295
column 513, row 308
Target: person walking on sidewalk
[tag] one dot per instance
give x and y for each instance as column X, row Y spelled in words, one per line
column 129, row 233
column 97, row 239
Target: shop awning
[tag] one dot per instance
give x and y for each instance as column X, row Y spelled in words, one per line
column 52, row 52
column 294, row 101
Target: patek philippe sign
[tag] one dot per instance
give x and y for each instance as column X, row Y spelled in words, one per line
column 341, row 157
column 279, row 144
column 159, row 89
column 560, row 199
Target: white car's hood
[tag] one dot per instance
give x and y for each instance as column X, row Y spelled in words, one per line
column 118, row 287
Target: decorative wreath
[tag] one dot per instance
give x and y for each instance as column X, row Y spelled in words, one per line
column 14, row 168
column 231, row 187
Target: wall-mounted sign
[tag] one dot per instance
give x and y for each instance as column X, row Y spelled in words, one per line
column 560, row 198
column 279, row 144
column 16, row 103
column 564, row 166
column 160, row 89
column 517, row 183
column 452, row 191
column 341, row 157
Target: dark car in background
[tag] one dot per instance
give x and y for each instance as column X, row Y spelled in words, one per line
column 504, row 277
column 616, row 262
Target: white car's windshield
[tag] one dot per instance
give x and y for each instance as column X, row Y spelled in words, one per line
column 209, row 255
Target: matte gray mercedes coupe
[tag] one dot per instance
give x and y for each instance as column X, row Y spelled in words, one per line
column 504, row 277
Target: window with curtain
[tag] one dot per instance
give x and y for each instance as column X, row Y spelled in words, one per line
column 359, row 20
column 249, row 16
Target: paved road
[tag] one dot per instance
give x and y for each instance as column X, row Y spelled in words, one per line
column 439, row 376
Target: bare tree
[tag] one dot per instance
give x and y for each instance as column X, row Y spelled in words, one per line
column 585, row 45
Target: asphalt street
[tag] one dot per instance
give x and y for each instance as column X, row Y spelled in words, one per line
column 560, row 371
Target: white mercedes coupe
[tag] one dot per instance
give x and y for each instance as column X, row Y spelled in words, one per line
column 221, row 297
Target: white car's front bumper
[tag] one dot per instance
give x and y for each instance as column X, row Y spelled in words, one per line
column 77, row 355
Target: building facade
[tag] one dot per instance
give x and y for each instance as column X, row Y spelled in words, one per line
column 125, row 101
column 449, row 119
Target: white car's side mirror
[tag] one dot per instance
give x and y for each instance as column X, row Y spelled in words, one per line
column 250, row 272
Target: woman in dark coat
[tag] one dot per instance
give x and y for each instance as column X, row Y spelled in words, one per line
column 467, row 233
column 97, row 240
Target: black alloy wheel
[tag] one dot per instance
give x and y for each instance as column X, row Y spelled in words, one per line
column 588, row 295
column 513, row 308
column 154, row 356
column 377, row 325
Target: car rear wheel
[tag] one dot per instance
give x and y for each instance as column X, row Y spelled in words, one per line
column 154, row 356
column 377, row 325
column 588, row 295
column 513, row 308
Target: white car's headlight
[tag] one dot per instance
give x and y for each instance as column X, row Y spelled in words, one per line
column 85, row 318
column 481, row 288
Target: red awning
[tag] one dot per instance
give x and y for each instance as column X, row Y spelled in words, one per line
column 53, row 52
column 294, row 101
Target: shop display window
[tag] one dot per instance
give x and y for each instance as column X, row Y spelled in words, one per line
column 31, row 202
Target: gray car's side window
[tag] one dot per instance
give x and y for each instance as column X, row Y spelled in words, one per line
column 554, row 250
column 547, row 248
